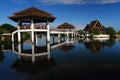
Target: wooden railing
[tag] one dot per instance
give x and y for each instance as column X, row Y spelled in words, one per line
column 35, row 27
column 40, row 27
column 25, row 27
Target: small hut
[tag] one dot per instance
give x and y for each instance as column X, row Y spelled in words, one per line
column 66, row 26
column 94, row 24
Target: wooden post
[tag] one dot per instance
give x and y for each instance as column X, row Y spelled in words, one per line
column 19, row 50
column 58, row 36
column 48, row 31
column 48, row 49
column 32, row 31
column 19, row 34
column 33, row 52
column 12, row 37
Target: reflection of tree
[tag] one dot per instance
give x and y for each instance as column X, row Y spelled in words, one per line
column 7, row 45
column 110, row 42
column 2, row 57
column 67, row 47
column 96, row 45
column 4, row 46
column 26, row 66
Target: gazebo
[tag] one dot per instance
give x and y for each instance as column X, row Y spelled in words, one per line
column 32, row 20
column 67, row 27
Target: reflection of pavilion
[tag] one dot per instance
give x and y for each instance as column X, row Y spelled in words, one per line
column 95, row 44
column 39, row 52
column 27, row 67
column 40, row 56
column 32, row 53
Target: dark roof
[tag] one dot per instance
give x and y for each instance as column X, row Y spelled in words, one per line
column 32, row 13
column 66, row 26
column 94, row 24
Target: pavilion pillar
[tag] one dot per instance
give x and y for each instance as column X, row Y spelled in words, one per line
column 32, row 31
column 19, row 34
column 48, row 31
column 13, row 37
column 58, row 36
column 48, row 50
column 36, row 39
column 67, row 34
column 72, row 34
column 19, row 50
column 33, row 52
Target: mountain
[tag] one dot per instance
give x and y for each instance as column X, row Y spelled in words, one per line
column 7, row 28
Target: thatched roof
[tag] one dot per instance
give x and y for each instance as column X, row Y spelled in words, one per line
column 32, row 13
column 94, row 24
column 66, row 26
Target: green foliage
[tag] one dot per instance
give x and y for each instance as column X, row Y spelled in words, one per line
column 26, row 35
column 7, row 28
column 80, row 32
column 111, row 31
column 118, row 32
column 95, row 31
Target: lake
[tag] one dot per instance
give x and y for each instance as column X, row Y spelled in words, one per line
column 83, row 59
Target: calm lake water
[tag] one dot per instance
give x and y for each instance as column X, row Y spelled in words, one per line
column 84, row 59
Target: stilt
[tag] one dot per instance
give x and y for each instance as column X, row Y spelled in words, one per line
column 19, row 50
column 19, row 37
column 13, row 38
column 33, row 52
column 58, row 36
column 48, row 31
column 32, row 30
column 48, row 49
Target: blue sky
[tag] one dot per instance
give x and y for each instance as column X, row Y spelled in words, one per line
column 77, row 12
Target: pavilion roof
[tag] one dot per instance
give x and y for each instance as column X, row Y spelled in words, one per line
column 66, row 26
column 94, row 24
column 32, row 13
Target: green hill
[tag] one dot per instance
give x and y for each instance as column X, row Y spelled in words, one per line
column 7, row 28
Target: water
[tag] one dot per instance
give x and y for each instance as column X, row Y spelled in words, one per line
column 84, row 59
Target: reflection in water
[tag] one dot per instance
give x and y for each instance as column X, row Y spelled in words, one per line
column 5, row 46
column 95, row 44
column 33, row 53
column 40, row 56
column 23, row 65
column 44, row 62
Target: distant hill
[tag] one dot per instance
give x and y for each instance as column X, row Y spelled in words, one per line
column 7, row 28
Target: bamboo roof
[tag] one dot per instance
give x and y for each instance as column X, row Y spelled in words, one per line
column 32, row 13
column 66, row 26
column 94, row 24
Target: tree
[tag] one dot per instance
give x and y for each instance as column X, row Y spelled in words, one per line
column 7, row 28
column 80, row 32
column 118, row 32
column 111, row 31
column 95, row 31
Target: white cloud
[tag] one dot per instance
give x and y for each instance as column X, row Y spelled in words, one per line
column 78, row 1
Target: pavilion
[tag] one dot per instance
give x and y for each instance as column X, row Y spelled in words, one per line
column 32, row 20
column 94, row 24
column 67, row 27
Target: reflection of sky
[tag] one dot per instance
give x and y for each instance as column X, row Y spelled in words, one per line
column 75, row 62
column 80, row 54
column 41, row 41
column 27, row 46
